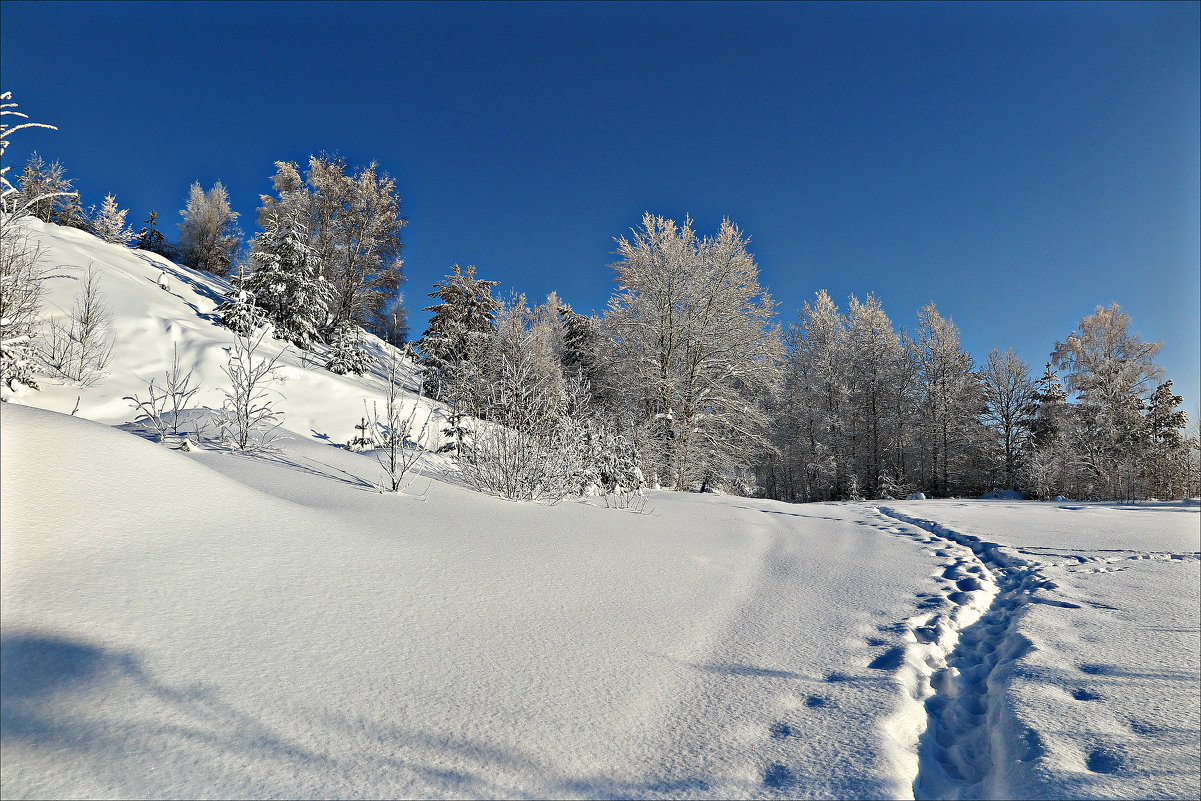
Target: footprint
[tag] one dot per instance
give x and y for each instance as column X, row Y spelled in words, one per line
column 1096, row 670
column 1104, row 760
column 889, row 660
column 876, row 641
column 815, row 700
column 778, row 777
column 781, row 730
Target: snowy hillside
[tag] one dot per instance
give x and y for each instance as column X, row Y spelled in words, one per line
column 148, row 323
column 212, row 624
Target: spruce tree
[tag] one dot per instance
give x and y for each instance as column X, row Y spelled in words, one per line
column 150, row 238
column 458, row 332
column 109, row 222
column 286, row 283
column 346, row 352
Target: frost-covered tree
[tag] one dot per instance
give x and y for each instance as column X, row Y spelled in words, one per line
column 695, row 331
column 1111, row 373
column 80, row 347
column 346, row 352
column 248, row 418
column 1009, row 398
column 47, row 194
column 150, row 237
column 951, row 404
column 286, row 282
column 109, row 223
column 209, row 236
column 458, row 333
column 240, row 311
column 20, row 271
column 354, row 225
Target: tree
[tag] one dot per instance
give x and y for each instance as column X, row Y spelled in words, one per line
column 20, row 271
column 354, row 226
column 109, row 223
column 401, row 440
column 1112, row 373
column 457, row 334
column 150, row 238
column 209, row 236
column 1009, row 399
column 286, row 283
column 248, row 418
column 346, row 352
column 952, row 401
column 47, row 193
column 81, row 348
column 1166, row 461
column 694, row 328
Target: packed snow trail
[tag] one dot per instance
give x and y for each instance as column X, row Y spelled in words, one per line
column 991, row 687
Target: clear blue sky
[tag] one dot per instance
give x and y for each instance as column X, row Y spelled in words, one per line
column 1018, row 164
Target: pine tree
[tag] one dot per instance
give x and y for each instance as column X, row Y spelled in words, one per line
column 150, row 238
column 458, row 332
column 346, row 352
column 240, row 312
column 286, row 284
column 109, row 223
column 1167, row 449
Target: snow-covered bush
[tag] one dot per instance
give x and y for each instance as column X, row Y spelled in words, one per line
column 20, row 271
column 524, row 448
column 399, row 435
column 346, row 352
column 247, row 419
column 163, row 408
column 81, row 347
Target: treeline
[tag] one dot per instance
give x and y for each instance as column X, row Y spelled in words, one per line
column 688, row 372
column 687, row 381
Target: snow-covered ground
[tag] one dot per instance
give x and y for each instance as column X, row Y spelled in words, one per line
column 207, row 624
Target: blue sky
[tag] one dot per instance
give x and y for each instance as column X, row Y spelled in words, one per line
column 1018, row 164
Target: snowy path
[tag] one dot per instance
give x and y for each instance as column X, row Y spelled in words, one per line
column 1003, row 678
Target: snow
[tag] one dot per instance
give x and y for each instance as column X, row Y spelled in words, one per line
column 210, row 624
column 1081, row 680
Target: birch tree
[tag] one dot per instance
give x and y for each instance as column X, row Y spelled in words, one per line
column 696, row 333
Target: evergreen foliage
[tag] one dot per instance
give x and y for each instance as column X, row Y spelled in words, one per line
column 346, row 352
column 150, row 238
column 458, row 333
column 286, row 283
column 109, row 223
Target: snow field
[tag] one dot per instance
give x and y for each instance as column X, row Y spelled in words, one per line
column 210, row 624
column 171, row 629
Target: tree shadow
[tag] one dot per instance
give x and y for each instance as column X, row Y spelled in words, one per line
column 82, row 703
